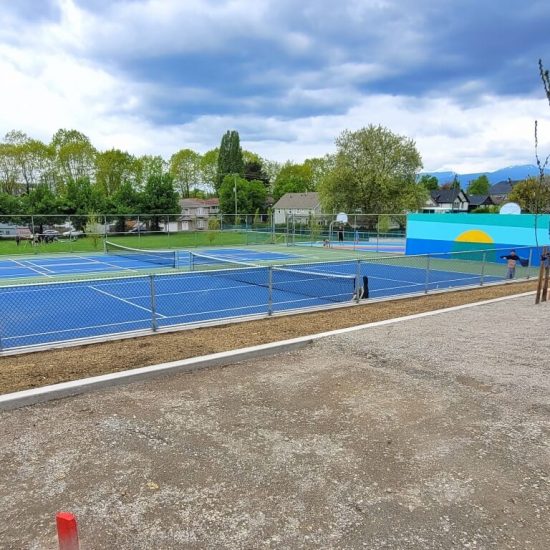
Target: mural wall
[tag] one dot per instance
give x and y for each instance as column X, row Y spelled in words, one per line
column 461, row 232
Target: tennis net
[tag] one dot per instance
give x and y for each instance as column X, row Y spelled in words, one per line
column 295, row 280
column 164, row 258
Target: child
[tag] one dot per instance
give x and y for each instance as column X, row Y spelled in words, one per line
column 511, row 261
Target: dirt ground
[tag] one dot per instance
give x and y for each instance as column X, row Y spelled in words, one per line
column 43, row 368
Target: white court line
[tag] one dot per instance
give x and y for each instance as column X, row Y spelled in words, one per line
column 125, row 301
column 25, row 266
column 38, row 266
column 100, row 262
column 79, row 329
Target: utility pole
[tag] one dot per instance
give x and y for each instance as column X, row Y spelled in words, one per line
column 235, row 191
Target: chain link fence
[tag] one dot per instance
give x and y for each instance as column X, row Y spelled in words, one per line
column 214, row 289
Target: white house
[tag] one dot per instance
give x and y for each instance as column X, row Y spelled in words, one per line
column 447, row 200
column 195, row 213
column 296, row 206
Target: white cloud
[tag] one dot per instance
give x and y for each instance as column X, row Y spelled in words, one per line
column 56, row 79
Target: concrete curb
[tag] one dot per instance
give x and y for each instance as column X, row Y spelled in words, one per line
column 23, row 398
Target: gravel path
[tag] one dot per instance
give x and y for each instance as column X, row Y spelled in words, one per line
column 425, row 434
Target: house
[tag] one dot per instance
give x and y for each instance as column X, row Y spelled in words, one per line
column 298, row 207
column 446, row 200
column 477, row 201
column 195, row 213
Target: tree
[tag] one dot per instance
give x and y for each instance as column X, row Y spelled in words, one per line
column 159, row 197
column 253, row 171
column 319, row 168
column 209, row 169
column 455, row 184
column 372, row 168
column 9, row 204
column 431, row 183
column 185, row 168
column 126, row 200
column 230, row 157
column 532, row 194
column 251, row 196
column 479, row 186
column 293, row 178
column 74, row 156
column 114, row 168
column 79, row 199
column 41, row 203
column 148, row 166
column 31, row 159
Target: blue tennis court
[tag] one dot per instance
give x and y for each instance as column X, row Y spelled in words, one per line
column 43, row 313
column 53, row 267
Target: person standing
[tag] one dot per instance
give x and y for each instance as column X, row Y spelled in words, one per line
column 511, row 261
column 341, row 234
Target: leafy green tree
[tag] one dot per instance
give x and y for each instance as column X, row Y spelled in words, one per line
column 159, row 197
column 125, row 201
column 185, row 168
column 79, row 199
column 9, row 173
column 32, row 159
column 230, row 157
column 42, row 204
column 148, row 166
column 319, row 168
column 293, row 178
column 431, row 183
column 373, row 167
column 113, row 168
column 10, row 205
column 74, row 156
column 531, row 195
column 209, row 169
column 251, row 196
column 253, row 171
column 479, row 186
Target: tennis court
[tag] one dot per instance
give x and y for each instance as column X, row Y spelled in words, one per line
column 118, row 261
column 216, row 288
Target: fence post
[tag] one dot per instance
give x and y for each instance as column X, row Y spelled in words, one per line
column 270, row 290
column 427, row 281
column 358, row 282
column 482, row 275
column 154, row 322
column 529, row 263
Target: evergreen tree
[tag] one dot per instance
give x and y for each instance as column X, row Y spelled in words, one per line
column 230, row 158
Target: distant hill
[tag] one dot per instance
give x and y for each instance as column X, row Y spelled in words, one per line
column 513, row 173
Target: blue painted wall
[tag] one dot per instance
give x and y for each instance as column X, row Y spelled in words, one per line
column 431, row 233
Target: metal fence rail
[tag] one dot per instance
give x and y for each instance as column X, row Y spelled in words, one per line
column 52, row 313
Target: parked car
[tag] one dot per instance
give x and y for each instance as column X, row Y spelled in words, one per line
column 73, row 234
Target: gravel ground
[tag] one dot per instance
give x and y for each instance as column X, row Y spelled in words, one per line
column 424, row 434
column 40, row 369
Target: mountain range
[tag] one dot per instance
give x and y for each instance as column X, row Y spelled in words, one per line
column 514, row 173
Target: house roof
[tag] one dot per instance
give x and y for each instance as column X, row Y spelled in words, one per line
column 197, row 203
column 298, row 200
column 440, row 196
column 478, row 200
column 502, row 187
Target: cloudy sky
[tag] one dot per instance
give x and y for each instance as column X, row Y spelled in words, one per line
column 460, row 77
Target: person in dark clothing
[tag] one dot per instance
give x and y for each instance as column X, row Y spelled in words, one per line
column 511, row 261
column 341, row 234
